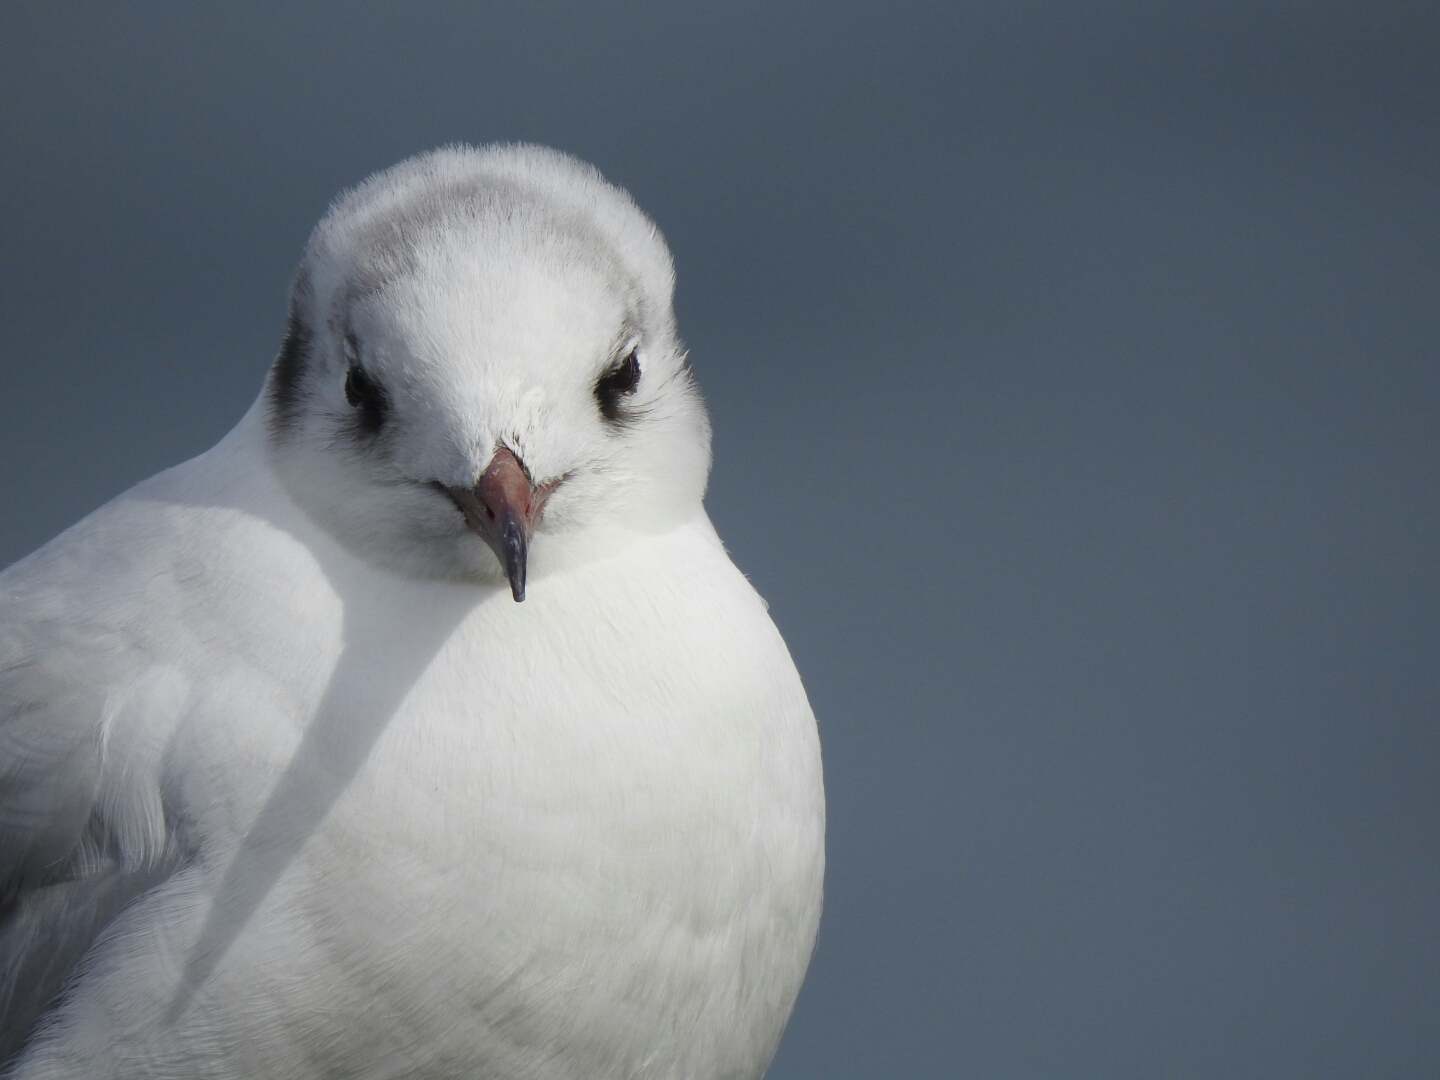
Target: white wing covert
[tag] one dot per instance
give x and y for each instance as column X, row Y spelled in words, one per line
column 82, row 828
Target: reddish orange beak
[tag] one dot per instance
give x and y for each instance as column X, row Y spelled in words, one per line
column 503, row 510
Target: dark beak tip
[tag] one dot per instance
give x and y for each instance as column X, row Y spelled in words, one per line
column 516, row 548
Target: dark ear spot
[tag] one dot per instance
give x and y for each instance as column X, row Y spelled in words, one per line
column 617, row 384
column 288, row 371
column 367, row 398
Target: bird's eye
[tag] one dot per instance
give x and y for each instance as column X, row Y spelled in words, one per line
column 616, row 383
column 365, row 395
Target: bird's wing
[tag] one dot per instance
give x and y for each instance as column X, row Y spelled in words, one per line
column 82, row 828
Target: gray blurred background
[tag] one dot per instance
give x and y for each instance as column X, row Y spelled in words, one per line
column 1077, row 407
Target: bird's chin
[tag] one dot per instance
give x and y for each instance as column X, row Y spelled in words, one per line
column 429, row 558
column 475, row 564
column 459, row 557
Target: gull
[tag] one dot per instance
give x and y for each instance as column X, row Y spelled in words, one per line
column 423, row 726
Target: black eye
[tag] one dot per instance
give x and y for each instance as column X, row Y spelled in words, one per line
column 364, row 394
column 616, row 383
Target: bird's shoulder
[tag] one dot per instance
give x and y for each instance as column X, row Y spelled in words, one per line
column 105, row 633
column 109, row 635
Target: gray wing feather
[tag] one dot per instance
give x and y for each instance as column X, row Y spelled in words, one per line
column 63, row 877
column 48, row 780
column 47, row 933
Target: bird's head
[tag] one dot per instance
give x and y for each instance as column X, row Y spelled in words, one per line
column 482, row 373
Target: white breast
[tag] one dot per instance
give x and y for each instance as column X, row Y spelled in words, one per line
column 576, row 836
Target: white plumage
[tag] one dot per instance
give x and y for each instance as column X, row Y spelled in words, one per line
column 291, row 787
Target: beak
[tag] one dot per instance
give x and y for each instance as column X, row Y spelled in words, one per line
column 503, row 510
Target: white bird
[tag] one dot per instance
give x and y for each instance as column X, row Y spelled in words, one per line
column 291, row 787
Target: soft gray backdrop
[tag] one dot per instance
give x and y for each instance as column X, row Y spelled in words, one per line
column 1077, row 407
